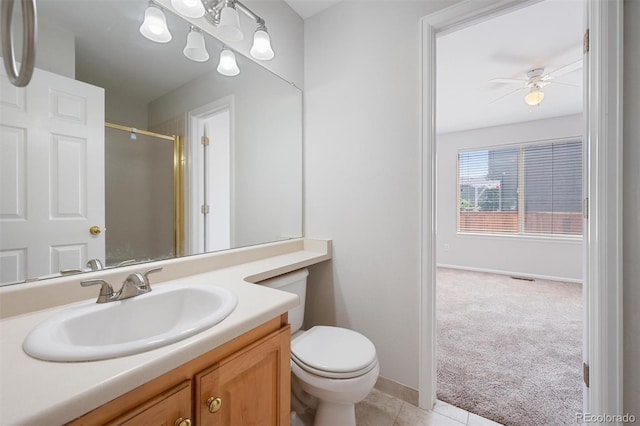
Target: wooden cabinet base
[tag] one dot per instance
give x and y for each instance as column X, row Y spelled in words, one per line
column 250, row 375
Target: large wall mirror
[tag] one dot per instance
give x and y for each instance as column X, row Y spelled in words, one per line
column 122, row 150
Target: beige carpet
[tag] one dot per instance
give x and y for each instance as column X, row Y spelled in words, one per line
column 510, row 350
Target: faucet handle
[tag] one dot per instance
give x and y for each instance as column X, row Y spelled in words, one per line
column 140, row 281
column 106, row 291
column 149, row 272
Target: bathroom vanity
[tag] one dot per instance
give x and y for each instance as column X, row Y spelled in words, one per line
column 247, row 378
column 237, row 369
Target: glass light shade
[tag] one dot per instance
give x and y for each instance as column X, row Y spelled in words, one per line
column 261, row 48
column 229, row 27
column 534, row 97
column 154, row 26
column 227, row 65
column 189, row 8
column 195, row 48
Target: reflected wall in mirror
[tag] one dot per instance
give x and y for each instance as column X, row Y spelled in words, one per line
column 243, row 187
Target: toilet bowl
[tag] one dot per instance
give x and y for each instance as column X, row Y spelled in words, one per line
column 336, row 365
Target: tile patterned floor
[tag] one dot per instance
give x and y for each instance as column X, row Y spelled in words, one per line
column 381, row 409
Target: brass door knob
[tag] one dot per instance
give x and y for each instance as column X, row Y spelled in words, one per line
column 214, row 404
column 95, row 230
column 183, row 422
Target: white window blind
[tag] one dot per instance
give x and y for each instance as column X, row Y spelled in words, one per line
column 525, row 189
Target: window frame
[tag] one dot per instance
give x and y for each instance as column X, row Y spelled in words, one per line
column 521, row 234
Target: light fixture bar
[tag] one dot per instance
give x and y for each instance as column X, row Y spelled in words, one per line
column 248, row 11
column 214, row 7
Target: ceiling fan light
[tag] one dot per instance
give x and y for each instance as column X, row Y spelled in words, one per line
column 534, row 97
column 154, row 27
column 189, row 8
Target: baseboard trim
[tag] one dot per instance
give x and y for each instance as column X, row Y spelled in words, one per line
column 397, row 390
column 518, row 274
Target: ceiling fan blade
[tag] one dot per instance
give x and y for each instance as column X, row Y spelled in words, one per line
column 563, row 84
column 506, row 80
column 566, row 69
column 504, row 96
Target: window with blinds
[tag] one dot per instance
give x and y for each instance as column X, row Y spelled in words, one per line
column 527, row 189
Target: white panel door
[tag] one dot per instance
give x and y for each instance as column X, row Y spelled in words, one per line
column 51, row 176
column 217, row 182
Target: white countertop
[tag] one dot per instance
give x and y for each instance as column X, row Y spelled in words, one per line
column 39, row 392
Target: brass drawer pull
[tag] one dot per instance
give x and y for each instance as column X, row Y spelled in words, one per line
column 183, row 422
column 214, row 404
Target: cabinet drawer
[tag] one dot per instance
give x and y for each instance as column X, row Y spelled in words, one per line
column 164, row 409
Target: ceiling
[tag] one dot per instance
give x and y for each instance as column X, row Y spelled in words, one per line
column 547, row 34
column 308, row 8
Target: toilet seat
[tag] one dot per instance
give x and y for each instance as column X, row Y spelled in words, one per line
column 333, row 352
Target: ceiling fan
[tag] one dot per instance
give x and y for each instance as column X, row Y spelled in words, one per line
column 535, row 81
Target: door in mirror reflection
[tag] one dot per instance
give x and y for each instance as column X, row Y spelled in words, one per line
column 212, row 149
column 51, row 177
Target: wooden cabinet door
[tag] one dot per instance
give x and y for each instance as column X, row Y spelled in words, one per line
column 250, row 388
column 164, row 409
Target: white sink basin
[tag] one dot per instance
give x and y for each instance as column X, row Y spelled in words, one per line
column 92, row 331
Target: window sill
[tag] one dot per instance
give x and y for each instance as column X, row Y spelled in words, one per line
column 525, row 237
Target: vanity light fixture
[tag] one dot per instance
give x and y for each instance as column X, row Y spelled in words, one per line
column 227, row 65
column 189, row 8
column 534, row 97
column 154, row 27
column 195, row 48
column 261, row 48
column 229, row 22
column 222, row 14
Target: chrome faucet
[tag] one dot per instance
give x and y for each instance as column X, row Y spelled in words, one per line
column 134, row 285
column 95, row 264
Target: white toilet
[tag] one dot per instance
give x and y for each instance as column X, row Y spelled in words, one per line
column 337, row 366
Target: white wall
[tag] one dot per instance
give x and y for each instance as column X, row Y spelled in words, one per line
column 532, row 256
column 631, row 240
column 362, row 173
column 55, row 47
column 121, row 108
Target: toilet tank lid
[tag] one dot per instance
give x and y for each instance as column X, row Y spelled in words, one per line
column 334, row 349
column 285, row 279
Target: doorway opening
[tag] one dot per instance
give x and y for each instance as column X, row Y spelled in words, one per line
column 509, row 217
column 210, row 157
column 602, row 232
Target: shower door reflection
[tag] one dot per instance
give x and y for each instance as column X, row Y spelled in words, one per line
column 143, row 195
